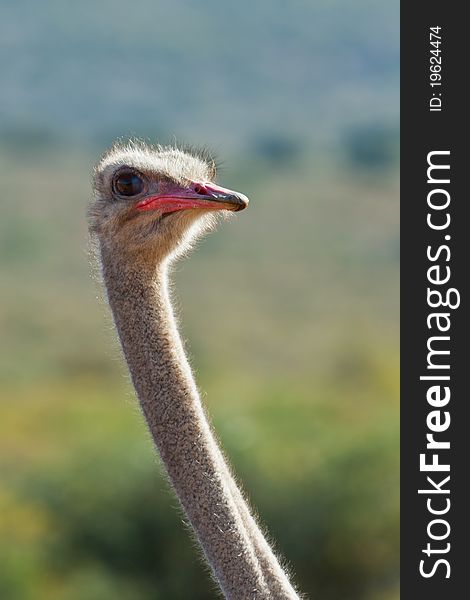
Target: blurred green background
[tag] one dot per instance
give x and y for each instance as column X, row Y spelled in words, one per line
column 290, row 310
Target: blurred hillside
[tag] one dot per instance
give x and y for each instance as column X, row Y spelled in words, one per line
column 290, row 309
column 222, row 72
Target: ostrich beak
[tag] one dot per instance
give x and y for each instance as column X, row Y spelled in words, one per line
column 198, row 195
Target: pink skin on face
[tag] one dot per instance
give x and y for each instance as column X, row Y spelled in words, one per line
column 199, row 195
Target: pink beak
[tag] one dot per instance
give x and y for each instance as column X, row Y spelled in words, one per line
column 199, row 195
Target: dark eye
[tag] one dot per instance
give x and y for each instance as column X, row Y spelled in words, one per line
column 128, row 184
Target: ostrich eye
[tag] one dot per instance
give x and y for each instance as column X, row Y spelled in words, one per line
column 128, row 184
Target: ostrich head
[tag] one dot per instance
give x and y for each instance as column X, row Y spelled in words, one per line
column 153, row 200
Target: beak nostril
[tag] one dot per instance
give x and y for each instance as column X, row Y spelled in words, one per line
column 215, row 194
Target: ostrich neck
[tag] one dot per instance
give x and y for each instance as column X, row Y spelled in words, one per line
column 241, row 559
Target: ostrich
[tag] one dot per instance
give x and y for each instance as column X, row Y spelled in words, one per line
column 150, row 203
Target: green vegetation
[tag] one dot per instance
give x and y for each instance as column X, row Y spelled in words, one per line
column 290, row 311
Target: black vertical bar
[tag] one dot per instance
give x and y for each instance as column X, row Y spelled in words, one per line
column 424, row 131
